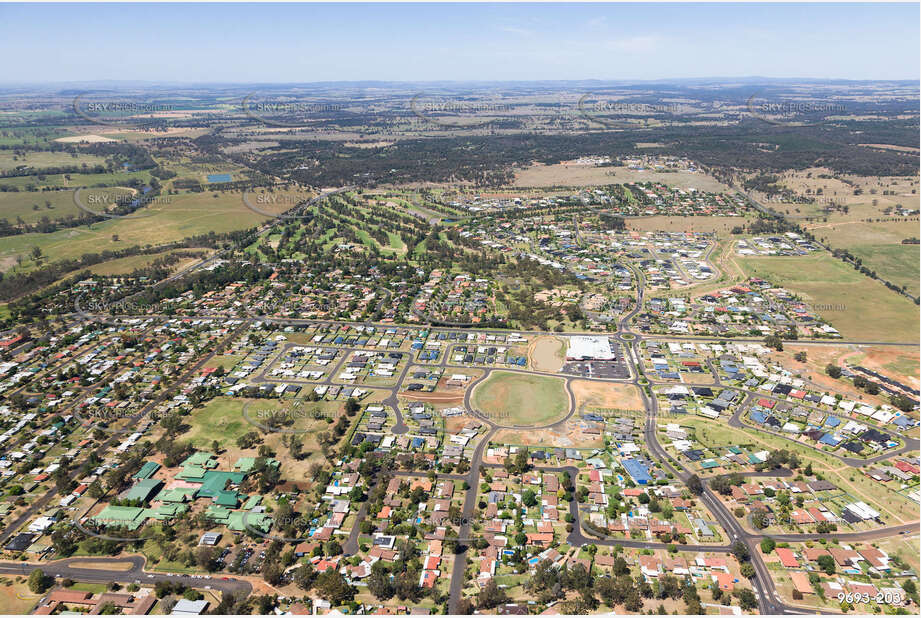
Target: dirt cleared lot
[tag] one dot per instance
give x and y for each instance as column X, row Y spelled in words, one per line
column 539, row 175
column 547, row 353
column 721, row 225
column 606, row 395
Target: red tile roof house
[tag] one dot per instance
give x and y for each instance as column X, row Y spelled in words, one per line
column 877, row 559
column 862, row 589
column 801, row 517
column 801, row 582
column 649, row 566
column 814, row 553
column 714, row 563
column 540, row 539
column 787, row 559
column 428, row 579
column 844, row 557
column 723, row 580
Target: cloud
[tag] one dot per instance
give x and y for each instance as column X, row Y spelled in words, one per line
column 517, row 30
column 637, row 44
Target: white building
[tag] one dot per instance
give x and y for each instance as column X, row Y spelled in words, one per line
column 587, row 347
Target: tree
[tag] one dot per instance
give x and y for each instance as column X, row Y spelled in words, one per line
column 206, row 557
column 747, row 570
column 740, row 551
column 529, row 498
column 491, row 596
column 379, row 585
column 695, row 485
column 747, row 599
column 902, row 402
column 304, row 576
column 827, row 564
column 833, row 370
column 633, row 602
column 333, row 587
column 38, row 582
column 767, row 545
column 351, row 406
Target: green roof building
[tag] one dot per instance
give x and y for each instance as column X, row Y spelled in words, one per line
column 147, row 470
column 201, row 458
column 127, row 517
column 142, row 490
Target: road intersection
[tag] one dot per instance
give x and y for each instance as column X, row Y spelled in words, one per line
column 629, row 342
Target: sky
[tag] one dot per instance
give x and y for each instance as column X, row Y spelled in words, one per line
column 200, row 43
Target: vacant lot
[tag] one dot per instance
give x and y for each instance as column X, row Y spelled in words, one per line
column 15, row 596
column 539, row 175
column 722, row 225
column 521, row 399
column 591, row 395
column 862, row 309
column 222, row 419
column 547, row 353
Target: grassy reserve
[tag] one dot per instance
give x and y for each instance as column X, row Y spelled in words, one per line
column 860, row 308
column 519, row 399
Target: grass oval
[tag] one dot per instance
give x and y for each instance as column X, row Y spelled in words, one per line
column 521, row 399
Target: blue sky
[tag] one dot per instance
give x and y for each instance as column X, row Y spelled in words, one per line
column 423, row 42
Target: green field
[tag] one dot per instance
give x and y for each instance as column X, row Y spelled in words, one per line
column 223, row 419
column 32, row 206
column 185, row 215
column 29, row 183
column 863, row 309
column 38, row 160
column 901, row 264
column 521, row 399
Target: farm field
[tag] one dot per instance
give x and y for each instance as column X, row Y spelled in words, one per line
column 861, row 309
column 38, row 160
column 33, row 206
column 568, row 174
column 898, row 263
column 123, row 266
column 520, row 399
column 58, row 181
column 186, row 215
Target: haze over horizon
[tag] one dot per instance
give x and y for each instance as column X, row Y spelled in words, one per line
column 246, row 43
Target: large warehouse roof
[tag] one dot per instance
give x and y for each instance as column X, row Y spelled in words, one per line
column 588, row 347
